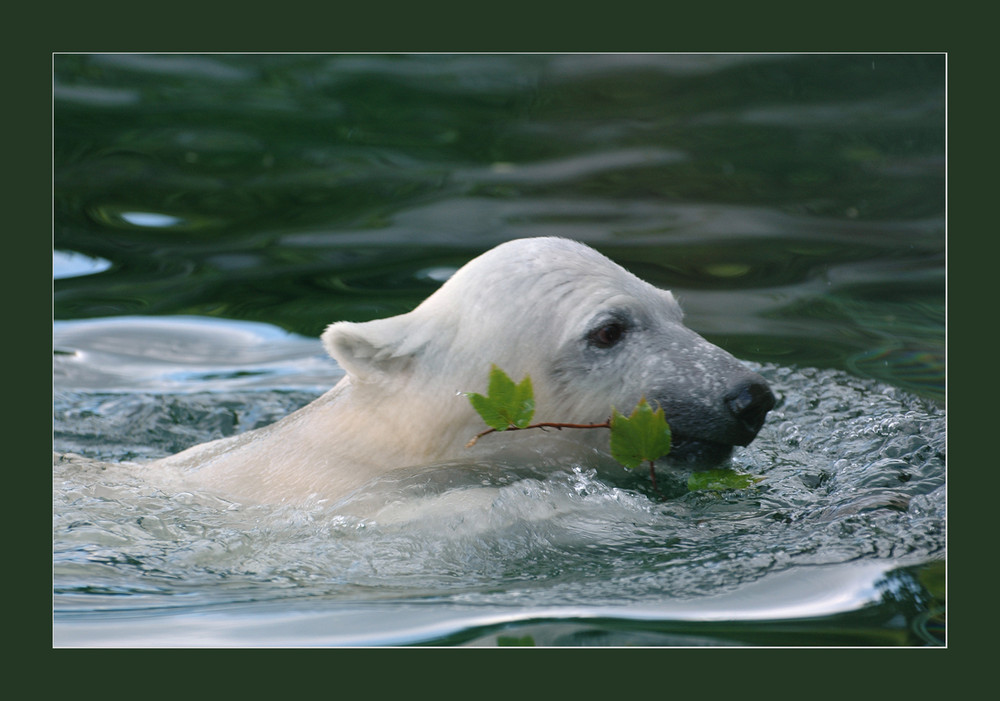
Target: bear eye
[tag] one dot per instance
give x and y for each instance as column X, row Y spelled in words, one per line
column 607, row 335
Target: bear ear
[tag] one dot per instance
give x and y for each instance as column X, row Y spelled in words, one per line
column 369, row 351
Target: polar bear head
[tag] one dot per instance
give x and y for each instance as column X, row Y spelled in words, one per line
column 591, row 335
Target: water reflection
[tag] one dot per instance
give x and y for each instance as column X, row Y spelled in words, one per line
column 71, row 264
column 293, row 189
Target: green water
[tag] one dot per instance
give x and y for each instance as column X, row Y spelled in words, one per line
column 795, row 205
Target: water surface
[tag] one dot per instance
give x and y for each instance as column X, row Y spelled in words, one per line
column 215, row 212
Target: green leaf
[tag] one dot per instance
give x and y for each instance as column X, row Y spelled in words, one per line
column 507, row 404
column 488, row 411
column 641, row 437
column 721, row 480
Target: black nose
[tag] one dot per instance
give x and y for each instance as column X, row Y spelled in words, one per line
column 749, row 403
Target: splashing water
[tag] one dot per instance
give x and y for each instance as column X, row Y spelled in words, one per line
column 854, row 472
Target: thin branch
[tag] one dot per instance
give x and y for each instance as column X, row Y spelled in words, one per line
column 544, row 424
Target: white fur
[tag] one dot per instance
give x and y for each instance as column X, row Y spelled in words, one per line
column 526, row 306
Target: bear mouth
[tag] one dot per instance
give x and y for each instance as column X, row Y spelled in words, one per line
column 690, row 451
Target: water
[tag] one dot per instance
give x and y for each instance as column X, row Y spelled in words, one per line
column 214, row 213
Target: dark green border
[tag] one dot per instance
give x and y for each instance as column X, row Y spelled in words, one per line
column 397, row 26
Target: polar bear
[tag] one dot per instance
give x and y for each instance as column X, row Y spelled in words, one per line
column 591, row 335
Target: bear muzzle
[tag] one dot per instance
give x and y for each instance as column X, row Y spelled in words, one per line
column 708, row 437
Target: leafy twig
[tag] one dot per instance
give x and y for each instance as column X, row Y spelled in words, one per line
column 544, row 424
column 639, row 438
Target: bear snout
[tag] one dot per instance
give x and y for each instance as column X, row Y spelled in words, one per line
column 749, row 403
column 706, row 432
